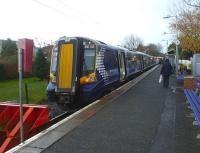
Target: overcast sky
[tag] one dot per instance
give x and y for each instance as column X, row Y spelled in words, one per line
column 106, row 20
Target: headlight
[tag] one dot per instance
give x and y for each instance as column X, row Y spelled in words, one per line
column 88, row 79
column 54, row 79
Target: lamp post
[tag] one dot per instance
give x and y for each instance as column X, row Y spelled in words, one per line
column 177, row 41
column 20, row 96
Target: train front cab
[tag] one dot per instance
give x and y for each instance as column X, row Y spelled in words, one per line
column 72, row 67
column 64, row 72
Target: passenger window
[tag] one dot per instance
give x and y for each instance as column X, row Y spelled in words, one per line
column 110, row 61
column 113, row 61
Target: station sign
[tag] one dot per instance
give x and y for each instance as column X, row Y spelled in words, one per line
column 26, row 46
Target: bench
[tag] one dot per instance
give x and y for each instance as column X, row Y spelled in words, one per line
column 180, row 77
column 198, row 85
column 194, row 101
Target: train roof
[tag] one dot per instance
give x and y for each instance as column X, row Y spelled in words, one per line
column 78, row 37
column 141, row 53
column 104, row 45
column 98, row 42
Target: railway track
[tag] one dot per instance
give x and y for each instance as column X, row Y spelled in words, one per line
column 57, row 118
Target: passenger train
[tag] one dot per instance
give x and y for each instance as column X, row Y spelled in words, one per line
column 83, row 68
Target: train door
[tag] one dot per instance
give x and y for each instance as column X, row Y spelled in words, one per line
column 141, row 62
column 122, row 69
column 67, row 66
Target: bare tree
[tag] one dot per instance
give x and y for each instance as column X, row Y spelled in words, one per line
column 131, row 42
column 141, row 48
column 193, row 3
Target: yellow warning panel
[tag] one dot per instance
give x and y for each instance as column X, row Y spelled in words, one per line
column 65, row 66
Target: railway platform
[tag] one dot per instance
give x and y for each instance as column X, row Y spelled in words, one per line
column 139, row 117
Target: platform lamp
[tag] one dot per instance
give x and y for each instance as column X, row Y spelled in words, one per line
column 177, row 41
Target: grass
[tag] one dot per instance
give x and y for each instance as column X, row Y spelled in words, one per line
column 9, row 90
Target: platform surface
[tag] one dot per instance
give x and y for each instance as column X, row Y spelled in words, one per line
column 127, row 125
column 146, row 119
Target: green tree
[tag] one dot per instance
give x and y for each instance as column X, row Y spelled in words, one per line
column 8, row 58
column 184, row 55
column 9, row 48
column 187, row 55
column 172, row 48
column 40, row 66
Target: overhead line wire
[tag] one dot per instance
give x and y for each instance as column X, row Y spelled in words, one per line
column 77, row 11
column 56, row 10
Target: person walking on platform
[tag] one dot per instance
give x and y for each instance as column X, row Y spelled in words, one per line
column 166, row 71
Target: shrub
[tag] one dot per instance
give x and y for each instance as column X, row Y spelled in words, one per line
column 10, row 66
column 11, row 71
column 40, row 66
column 2, row 72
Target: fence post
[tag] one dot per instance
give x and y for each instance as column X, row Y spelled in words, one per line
column 26, row 91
